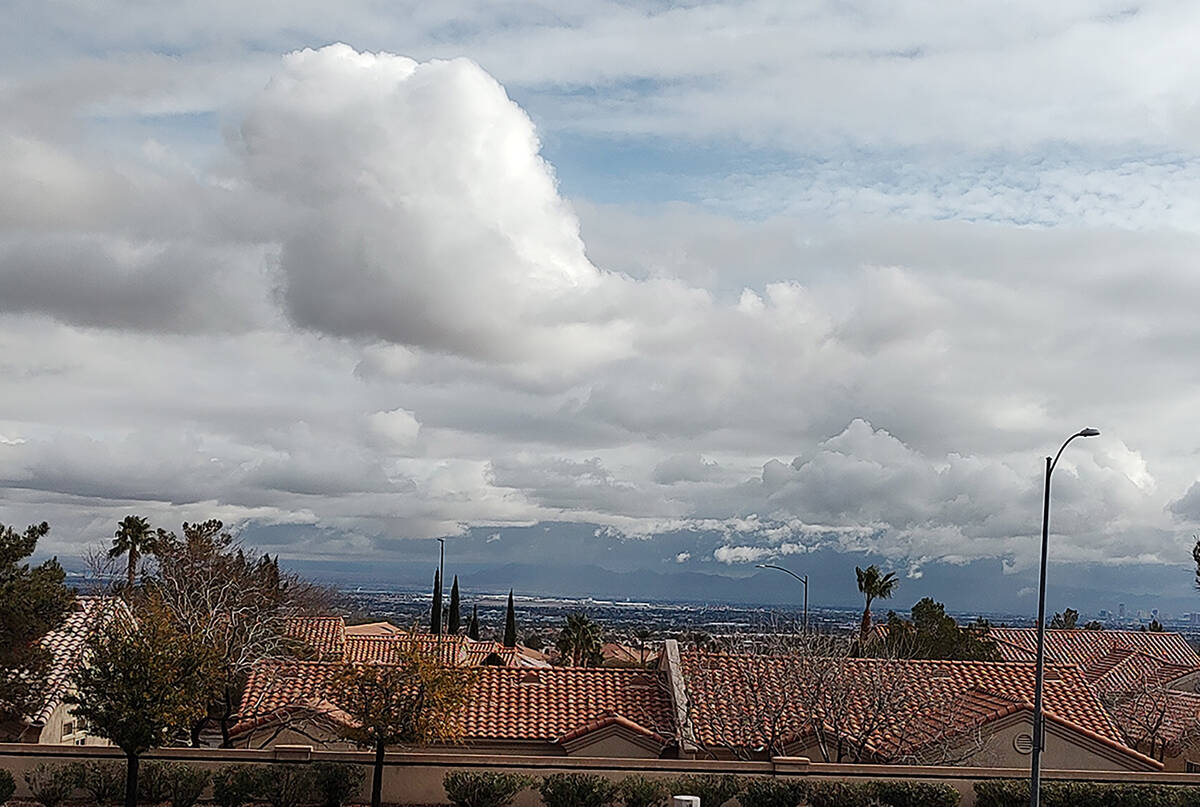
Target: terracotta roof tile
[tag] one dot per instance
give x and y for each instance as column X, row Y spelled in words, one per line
column 66, row 644
column 326, row 635
column 506, row 703
column 1168, row 717
column 718, row 683
column 1086, row 647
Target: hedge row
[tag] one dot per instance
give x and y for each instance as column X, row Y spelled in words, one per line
column 488, row 789
column 181, row 785
column 1015, row 793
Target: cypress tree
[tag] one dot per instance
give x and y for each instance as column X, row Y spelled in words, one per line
column 455, row 618
column 435, row 623
column 473, row 626
column 510, row 623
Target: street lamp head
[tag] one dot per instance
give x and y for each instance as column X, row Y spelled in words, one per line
column 1089, row 433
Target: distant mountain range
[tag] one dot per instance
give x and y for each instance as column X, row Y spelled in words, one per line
column 978, row 587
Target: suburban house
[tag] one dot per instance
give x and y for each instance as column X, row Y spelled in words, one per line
column 922, row 712
column 53, row 721
column 1148, row 680
column 554, row 711
column 327, row 638
column 731, row 706
column 1098, row 652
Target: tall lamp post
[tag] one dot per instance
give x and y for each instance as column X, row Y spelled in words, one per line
column 803, row 580
column 1039, row 733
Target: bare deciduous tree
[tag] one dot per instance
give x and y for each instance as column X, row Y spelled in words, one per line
column 786, row 688
column 1151, row 716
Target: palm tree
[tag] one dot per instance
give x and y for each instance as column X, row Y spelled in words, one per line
column 873, row 585
column 135, row 539
column 579, row 639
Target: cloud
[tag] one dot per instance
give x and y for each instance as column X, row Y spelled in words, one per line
column 684, row 468
column 374, row 313
column 683, row 557
column 424, row 213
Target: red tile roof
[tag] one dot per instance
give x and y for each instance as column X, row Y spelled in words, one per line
column 1086, row 647
column 332, row 641
column 325, row 635
column 506, row 703
column 66, row 644
column 1124, row 670
column 1168, row 718
column 720, row 684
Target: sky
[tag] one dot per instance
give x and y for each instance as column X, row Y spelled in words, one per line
column 784, row 277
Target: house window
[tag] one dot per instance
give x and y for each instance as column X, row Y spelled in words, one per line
column 68, row 728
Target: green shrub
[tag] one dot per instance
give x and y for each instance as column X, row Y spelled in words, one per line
column 772, row 793
column 483, row 788
column 235, row 785
column 8, row 785
column 50, row 784
column 102, row 780
column 185, row 783
column 915, row 794
column 577, row 790
column 1015, row 793
column 713, row 789
column 640, row 791
column 153, row 784
column 840, row 794
column 284, row 785
column 335, row 782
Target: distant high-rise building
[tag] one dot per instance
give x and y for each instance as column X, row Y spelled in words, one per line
column 1194, row 618
column 1103, row 613
column 1121, row 610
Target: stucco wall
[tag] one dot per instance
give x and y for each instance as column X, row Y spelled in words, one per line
column 416, row 778
column 53, row 733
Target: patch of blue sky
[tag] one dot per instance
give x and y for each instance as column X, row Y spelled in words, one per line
column 1058, row 185
column 193, row 137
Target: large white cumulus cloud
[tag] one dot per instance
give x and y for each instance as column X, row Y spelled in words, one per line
column 421, row 210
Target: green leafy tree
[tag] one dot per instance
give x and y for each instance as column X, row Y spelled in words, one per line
column 455, row 621
column 1154, row 627
column 1093, row 625
column 414, row 701
column 1067, row 620
column 473, row 626
column 143, row 685
column 874, row 585
column 933, row 635
column 579, row 640
column 510, row 623
column 435, row 616
column 134, row 538
column 33, row 601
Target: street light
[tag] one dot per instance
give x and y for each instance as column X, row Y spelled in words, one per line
column 803, row 580
column 1039, row 734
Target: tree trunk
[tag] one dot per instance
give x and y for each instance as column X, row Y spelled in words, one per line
column 131, row 570
column 226, row 718
column 131, row 780
column 377, row 779
column 865, row 627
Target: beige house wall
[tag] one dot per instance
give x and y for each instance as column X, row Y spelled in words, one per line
column 605, row 743
column 415, row 778
column 63, row 728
